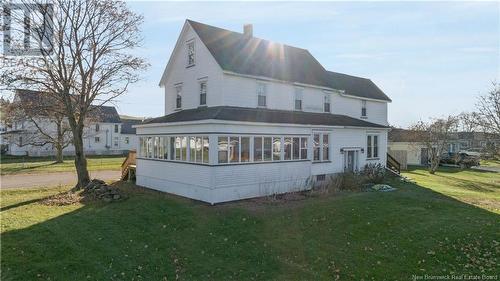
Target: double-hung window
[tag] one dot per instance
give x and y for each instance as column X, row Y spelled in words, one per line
column 203, row 93
column 116, row 128
column 298, row 99
column 326, row 103
column 178, row 96
column 190, row 53
column 261, row 95
column 363, row 108
column 372, row 146
column 321, row 147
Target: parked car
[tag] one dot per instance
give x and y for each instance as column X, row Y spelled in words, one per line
column 462, row 159
column 471, row 152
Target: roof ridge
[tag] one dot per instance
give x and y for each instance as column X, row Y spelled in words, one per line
column 241, row 34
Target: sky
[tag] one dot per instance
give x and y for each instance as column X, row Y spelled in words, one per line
column 431, row 58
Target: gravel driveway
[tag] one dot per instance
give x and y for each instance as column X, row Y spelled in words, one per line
column 51, row 179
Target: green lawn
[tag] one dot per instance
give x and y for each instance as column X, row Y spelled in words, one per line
column 18, row 165
column 423, row 228
column 490, row 163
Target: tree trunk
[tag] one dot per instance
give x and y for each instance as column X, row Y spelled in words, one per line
column 59, row 153
column 59, row 144
column 434, row 165
column 80, row 160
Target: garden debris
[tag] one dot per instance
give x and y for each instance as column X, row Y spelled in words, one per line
column 382, row 187
column 98, row 189
column 61, row 199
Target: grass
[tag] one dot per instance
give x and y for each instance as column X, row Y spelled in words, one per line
column 423, row 228
column 490, row 163
column 19, row 165
column 474, row 187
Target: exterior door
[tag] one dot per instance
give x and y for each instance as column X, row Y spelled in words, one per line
column 424, row 156
column 350, row 161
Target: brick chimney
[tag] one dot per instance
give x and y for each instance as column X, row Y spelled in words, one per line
column 248, row 30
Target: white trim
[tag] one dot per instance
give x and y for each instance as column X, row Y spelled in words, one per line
column 215, row 121
column 363, row 98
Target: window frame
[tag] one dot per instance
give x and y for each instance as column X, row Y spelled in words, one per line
column 327, row 108
column 364, row 113
column 190, row 43
column 298, row 97
column 372, row 146
column 203, row 96
column 323, row 151
column 261, row 91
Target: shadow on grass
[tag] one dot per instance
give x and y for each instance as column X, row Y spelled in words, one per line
column 11, row 170
column 448, row 169
column 163, row 237
column 20, row 204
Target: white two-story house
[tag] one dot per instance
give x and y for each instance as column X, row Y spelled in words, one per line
column 105, row 133
column 247, row 117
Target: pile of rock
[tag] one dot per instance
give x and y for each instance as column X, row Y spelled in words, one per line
column 98, row 189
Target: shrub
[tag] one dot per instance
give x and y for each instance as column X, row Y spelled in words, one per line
column 374, row 173
column 345, row 182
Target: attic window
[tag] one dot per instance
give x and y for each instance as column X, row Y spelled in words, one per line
column 190, row 53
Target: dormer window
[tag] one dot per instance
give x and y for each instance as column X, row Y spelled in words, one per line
column 190, row 53
column 326, row 103
column 178, row 99
column 203, row 93
column 261, row 95
column 363, row 108
column 298, row 99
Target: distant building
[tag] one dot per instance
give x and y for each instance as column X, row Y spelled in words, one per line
column 404, row 144
column 102, row 136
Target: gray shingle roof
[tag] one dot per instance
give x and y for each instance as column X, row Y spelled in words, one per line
column 356, row 86
column 104, row 114
column 244, row 114
column 127, row 125
column 258, row 57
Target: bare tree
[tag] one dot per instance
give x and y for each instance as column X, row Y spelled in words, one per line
column 43, row 122
column 435, row 136
column 488, row 110
column 88, row 61
column 469, row 122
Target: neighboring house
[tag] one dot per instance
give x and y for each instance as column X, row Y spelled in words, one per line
column 407, row 150
column 102, row 135
column 129, row 139
column 247, row 117
column 478, row 141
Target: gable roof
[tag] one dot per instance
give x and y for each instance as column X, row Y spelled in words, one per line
column 245, row 55
column 127, row 124
column 39, row 101
column 104, row 114
column 244, row 114
column 356, row 86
